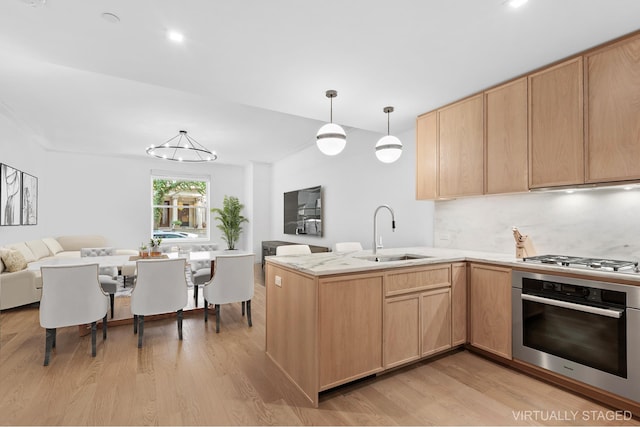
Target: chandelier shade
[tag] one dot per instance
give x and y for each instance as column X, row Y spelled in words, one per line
column 182, row 148
column 389, row 147
column 331, row 138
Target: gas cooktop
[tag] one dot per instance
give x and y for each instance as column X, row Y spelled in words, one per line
column 573, row 261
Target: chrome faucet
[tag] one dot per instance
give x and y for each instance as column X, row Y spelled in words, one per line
column 375, row 227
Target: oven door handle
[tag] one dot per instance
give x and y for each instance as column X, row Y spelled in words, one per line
column 573, row 306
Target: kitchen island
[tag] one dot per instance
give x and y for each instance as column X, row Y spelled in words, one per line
column 333, row 318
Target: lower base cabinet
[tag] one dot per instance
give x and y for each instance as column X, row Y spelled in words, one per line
column 490, row 309
column 435, row 311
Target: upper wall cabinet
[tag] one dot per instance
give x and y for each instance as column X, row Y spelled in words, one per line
column 556, row 143
column 612, row 80
column 506, row 138
column 461, row 148
column 427, row 156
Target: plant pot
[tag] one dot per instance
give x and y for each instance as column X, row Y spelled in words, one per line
column 156, row 254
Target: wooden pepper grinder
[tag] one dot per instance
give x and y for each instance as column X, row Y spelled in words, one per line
column 524, row 246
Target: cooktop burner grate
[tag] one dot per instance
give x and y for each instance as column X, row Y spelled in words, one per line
column 572, row 261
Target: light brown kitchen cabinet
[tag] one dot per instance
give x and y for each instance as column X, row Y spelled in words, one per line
column 490, row 308
column 458, row 303
column 461, row 148
column 350, row 328
column 402, row 329
column 506, row 136
column 556, row 142
column 427, row 156
column 435, row 313
column 612, row 81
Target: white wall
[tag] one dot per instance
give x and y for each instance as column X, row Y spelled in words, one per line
column 88, row 194
column 19, row 149
column 594, row 223
column 354, row 183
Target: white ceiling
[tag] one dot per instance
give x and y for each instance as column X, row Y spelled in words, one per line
column 249, row 80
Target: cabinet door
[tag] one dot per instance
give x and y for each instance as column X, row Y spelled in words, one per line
column 490, row 309
column 401, row 330
column 427, row 156
column 349, row 329
column 612, row 83
column 435, row 316
column 556, row 142
column 506, row 163
column 458, row 303
column 461, row 148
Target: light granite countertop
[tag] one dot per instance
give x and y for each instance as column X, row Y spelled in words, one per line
column 329, row 263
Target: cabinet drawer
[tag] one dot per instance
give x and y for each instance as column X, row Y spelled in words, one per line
column 417, row 280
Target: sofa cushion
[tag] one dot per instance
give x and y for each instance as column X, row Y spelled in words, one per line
column 39, row 249
column 13, row 260
column 2, row 267
column 24, row 249
column 53, row 245
column 85, row 252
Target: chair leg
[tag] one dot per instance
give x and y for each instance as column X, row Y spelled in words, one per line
column 217, row 318
column 243, row 308
column 50, row 337
column 206, row 311
column 94, row 327
column 135, row 323
column 104, row 327
column 141, row 330
column 112, row 300
column 180, row 324
column 195, row 294
column 249, row 313
column 54, row 338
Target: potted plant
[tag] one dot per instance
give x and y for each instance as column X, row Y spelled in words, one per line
column 143, row 252
column 175, row 224
column 154, row 246
column 230, row 220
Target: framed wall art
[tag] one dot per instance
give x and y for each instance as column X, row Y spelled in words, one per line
column 10, row 192
column 29, row 199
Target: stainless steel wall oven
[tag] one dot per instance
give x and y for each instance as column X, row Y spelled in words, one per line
column 584, row 329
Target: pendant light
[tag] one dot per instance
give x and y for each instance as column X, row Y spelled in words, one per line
column 388, row 148
column 182, row 148
column 331, row 138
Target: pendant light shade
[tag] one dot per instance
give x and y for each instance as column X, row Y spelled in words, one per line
column 388, row 148
column 182, row 148
column 331, row 138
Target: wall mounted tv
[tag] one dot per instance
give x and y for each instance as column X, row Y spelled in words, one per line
column 303, row 211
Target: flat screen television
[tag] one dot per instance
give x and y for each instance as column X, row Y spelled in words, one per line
column 303, row 211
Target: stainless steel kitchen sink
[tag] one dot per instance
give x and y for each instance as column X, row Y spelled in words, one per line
column 388, row 258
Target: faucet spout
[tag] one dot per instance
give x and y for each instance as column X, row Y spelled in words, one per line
column 375, row 226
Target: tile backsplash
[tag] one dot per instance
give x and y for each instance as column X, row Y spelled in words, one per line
column 595, row 223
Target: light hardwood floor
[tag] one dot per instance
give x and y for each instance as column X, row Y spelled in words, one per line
column 226, row 379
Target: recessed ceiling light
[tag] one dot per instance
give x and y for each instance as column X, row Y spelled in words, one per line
column 516, row 3
column 110, row 17
column 175, row 36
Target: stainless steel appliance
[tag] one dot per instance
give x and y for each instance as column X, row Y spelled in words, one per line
column 587, row 330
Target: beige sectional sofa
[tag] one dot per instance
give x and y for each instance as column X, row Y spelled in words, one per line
column 25, row 286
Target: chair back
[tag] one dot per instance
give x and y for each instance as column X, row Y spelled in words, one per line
column 348, row 247
column 232, row 281
column 94, row 252
column 161, row 287
column 71, row 295
column 293, row 250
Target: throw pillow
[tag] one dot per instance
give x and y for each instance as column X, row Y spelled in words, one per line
column 14, row 261
column 53, row 245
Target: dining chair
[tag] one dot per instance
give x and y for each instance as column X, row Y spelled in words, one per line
column 293, row 250
column 348, row 247
column 71, row 295
column 107, row 276
column 232, row 281
column 160, row 287
column 200, row 274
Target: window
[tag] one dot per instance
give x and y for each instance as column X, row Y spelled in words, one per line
column 180, row 207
